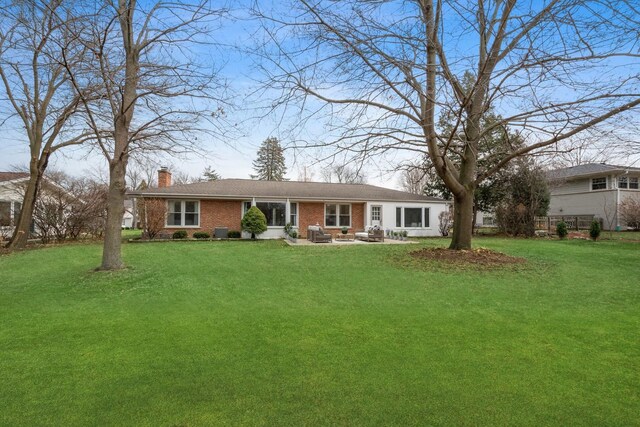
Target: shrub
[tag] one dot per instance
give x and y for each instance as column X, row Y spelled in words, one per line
column 254, row 222
column 344, row 230
column 201, row 235
column 180, row 234
column 234, row 234
column 293, row 234
column 561, row 229
column 152, row 214
column 595, row 229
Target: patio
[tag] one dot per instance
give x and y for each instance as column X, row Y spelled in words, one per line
column 305, row 242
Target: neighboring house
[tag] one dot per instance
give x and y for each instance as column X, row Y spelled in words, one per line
column 11, row 184
column 204, row 206
column 593, row 189
column 127, row 218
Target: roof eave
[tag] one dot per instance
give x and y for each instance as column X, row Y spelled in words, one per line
column 245, row 197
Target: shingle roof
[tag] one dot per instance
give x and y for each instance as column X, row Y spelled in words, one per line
column 588, row 170
column 247, row 188
column 10, row 176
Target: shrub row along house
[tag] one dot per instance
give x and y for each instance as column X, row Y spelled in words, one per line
column 204, row 206
column 594, row 189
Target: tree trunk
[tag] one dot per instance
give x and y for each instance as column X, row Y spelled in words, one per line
column 23, row 226
column 111, row 254
column 473, row 219
column 462, row 221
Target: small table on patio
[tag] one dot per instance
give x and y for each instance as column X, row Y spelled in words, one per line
column 344, row 237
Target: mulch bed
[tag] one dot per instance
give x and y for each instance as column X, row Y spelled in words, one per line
column 476, row 257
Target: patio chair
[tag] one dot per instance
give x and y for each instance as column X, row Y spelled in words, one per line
column 372, row 234
column 315, row 234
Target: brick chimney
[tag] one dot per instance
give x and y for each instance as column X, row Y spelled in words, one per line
column 164, row 177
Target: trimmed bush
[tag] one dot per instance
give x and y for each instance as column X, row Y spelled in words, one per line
column 180, row 234
column 201, row 235
column 254, row 222
column 595, row 229
column 234, row 234
column 561, row 229
column 293, row 234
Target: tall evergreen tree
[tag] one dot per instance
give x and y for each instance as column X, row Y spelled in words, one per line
column 269, row 165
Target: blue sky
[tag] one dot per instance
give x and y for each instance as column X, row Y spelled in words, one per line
column 231, row 156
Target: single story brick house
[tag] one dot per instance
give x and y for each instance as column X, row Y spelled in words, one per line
column 204, row 206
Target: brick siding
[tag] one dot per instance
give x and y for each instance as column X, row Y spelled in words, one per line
column 216, row 213
column 311, row 213
column 228, row 213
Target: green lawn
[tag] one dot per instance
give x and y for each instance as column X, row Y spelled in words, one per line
column 243, row 333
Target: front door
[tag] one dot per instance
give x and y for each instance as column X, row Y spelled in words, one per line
column 376, row 215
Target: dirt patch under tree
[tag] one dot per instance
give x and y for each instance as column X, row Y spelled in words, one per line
column 478, row 257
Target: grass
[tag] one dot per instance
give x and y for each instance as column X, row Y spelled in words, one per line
column 266, row 334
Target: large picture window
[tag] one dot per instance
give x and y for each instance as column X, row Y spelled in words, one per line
column 275, row 213
column 183, row 213
column 412, row 217
column 336, row 215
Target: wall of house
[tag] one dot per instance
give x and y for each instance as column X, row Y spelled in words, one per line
column 389, row 217
column 571, row 187
column 228, row 213
column 576, row 198
column 9, row 192
column 601, row 203
column 312, row 213
column 215, row 213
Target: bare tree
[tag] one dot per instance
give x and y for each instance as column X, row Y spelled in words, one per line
column 380, row 72
column 305, row 174
column 413, row 179
column 629, row 211
column 153, row 214
column 32, row 36
column 157, row 96
column 343, row 174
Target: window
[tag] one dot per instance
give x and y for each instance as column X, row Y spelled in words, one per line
column 183, row 213
column 599, row 184
column 245, row 207
column 623, row 182
column 633, row 183
column 376, row 214
column 5, row 214
column 275, row 213
column 488, row 220
column 293, row 214
column 337, row 215
column 413, row 217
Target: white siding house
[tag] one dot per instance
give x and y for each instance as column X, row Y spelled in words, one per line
column 593, row 189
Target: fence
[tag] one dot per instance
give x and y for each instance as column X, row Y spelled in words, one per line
column 574, row 222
